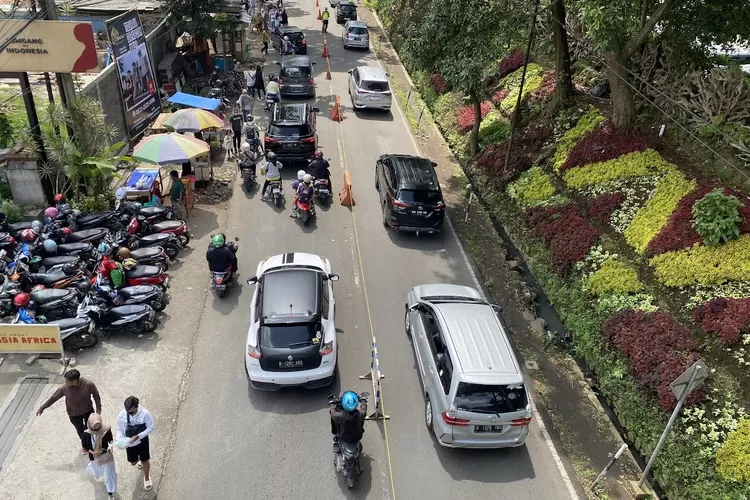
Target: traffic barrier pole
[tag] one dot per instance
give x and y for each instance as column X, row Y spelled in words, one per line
column 375, row 375
column 346, row 197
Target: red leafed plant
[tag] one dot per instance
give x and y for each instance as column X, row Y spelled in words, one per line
column 511, row 63
column 565, row 231
column 438, row 83
column 678, row 233
column 600, row 208
column 492, row 158
column 546, row 88
column 499, row 96
column 465, row 116
column 658, row 347
column 606, row 143
column 726, row 317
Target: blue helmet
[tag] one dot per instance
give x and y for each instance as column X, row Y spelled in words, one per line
column 349, row 401
column 105, row 248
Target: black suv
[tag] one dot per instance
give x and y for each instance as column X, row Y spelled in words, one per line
column 291, row 132
column 410, row 194
column 296, row 36
column 346, row 11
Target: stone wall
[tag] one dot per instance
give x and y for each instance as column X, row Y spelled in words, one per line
column 21, row 172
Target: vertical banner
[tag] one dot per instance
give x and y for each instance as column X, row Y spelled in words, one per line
column 137, row 80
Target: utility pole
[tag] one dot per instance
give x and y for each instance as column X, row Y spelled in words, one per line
column 64, row 80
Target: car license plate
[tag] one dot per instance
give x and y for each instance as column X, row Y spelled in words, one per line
column 488, row 428
column 357, row 39
column 291, row 364
column 420, row 213
column 373, row 97
column 323, row 191
column 219, row 287
column 296, row 88
column 276, row 191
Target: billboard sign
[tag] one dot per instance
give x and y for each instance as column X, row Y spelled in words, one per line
column 30, row 339
column 51, row 46
column 136, row 75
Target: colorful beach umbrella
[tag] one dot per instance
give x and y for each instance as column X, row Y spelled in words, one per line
column 169, row 149
column 193, row 120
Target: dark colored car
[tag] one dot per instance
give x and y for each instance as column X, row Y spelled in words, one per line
column 291, row 132
column 410, row 194
column 346, row 11
column 296, row 36
column 296, row 77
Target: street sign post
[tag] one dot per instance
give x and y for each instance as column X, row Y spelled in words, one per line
column 683, row 385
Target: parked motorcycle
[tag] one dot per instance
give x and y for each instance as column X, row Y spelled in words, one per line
column 121, row 319
column 147, row 275
column 55, row 303
column 8, row 291
column 305, row 211
column 75, row 333
column 139, row 225
column 221, row 281
column 322, row 190
column 167, row 241
column 94, row 236
column 7, row 242
column 148, row 256
column 85, row 251
column 69, row 275
column 347, row 457
column 150, row 295
column 157, row 214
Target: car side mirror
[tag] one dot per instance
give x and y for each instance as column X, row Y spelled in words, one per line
column 278, row 63
column 496, row 308
column 333, row 277
column 236, row 238
column 434, row 164
column 313, row 63
column 413, row 307
column 350, row 71
column 253, row 281
column 316, row 110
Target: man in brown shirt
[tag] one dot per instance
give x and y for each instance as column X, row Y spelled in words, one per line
column 78, row 393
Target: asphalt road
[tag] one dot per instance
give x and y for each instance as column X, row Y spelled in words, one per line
column 234, row 443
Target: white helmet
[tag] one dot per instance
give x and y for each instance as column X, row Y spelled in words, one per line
column 286, row 38
column 246, row 147
column 307, row 179
column 301, row 175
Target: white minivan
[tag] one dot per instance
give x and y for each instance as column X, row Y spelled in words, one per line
column 369, row 88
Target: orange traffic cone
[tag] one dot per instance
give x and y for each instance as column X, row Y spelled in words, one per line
column 320, row 16
column 325, row 49
column 328, row 74
column 345, row 195
column 317, row 4
column 336, row 114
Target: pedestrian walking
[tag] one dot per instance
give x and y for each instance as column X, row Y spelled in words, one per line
column 78, row 393
column 176, row 192
column 101, row 460
column 284, row 18
column 135, row 422
column 236, row 121
column 264, row 50
column 245, row 102
column 260, row 85
column 326, row 15
column 250, row 82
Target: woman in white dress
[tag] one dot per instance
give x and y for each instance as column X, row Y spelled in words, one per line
column 102, row 463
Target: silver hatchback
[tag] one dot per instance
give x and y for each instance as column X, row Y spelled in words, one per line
column 369, row 88
column 355, row 34
column 475, row 395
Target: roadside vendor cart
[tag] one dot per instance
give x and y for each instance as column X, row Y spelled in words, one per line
column 144, row 185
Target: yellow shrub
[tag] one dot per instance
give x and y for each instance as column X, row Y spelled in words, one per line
column 586, row 124
column 531, row 188
column 638, row 164
column 649, row 220
column 733, row 458
column 614, row 277
column 512, row 82
column 705, row 265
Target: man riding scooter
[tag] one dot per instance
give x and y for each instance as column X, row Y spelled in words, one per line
column 220, row 256
column 319, row 169
column 272, row 91
column 305, row 194
column 348, row 423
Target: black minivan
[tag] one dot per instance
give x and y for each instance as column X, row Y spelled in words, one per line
column 346, row 11
column 291, row 132
column 410, row 195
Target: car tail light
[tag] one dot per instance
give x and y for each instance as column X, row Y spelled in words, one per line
column 399, row 204
column 450, row 419
column 253, row 352
column 304, row 42
column 281, row 81
column 311, row 81
column 270, row 139
column 308, row 140
column 520, row 422
column 326, row 348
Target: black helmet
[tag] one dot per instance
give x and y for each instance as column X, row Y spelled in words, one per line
column 84, row 286
column 271, row 156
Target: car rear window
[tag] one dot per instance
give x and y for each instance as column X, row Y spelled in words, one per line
column 348, row 9
column 289, row 130
column 295, row 72
column 415, row 196
column 287, row 336
column 374, row 86
column 295, row 36
column 490, row 398
column 357, row 30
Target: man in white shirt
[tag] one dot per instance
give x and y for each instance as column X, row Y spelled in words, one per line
column 136, row 423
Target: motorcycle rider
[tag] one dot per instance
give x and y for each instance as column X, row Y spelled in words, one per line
column 272, row 172
column 220, row 256
column 272, row 90
column 252, row 133
column 246, row 158
column 348, row 421
column 319, row 168
column 305, row 193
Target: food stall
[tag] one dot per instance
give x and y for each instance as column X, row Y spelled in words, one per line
column 144, row 185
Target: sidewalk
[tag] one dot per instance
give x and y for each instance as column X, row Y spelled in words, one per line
column 582, row 433
column 45, row 462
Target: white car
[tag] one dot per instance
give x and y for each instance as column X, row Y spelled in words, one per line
column 292, row 336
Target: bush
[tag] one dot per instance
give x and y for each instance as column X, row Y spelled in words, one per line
column 6, row 193
column 600, row 208
column 498, row 96
column 493, row 159
column 716, row 217
column 465, row 116
column 733, row 458
column 494, row 129
column 546, row 88
column 658, row 347
column 585, row 125
column 91, row 204
column 703, row 265
column 532, row 187
column 438, row 84
column 614, row 277
column 444, row 111
column 566, row 233
column 650, row 219
column 639, row 164
column 512, row 82
column 13, row 212
column 605, row 143
column 511, row 62
column 726, row 317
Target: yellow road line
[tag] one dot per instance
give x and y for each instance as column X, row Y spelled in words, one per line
column 364, row 282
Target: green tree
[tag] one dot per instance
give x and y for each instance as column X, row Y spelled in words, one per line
column 462, row 40
column 564, row 89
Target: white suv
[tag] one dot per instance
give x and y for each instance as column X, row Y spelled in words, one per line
column 292, row 336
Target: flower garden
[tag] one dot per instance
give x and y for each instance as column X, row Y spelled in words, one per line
column 647, row 263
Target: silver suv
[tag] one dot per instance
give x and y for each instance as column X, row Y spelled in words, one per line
column 369, row 88
column 475, row 395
